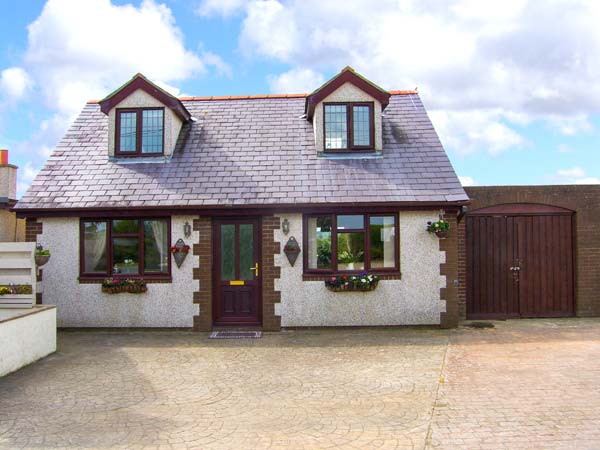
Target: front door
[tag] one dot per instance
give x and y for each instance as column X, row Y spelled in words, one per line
column 236, row 272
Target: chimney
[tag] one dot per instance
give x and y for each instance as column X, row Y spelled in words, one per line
column 8, row 179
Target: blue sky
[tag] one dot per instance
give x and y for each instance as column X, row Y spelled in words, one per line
column 512, row 89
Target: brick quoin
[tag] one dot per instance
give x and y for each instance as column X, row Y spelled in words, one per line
column 270, row 296
column 585, row 201
column 203, row 273
column 450, row 293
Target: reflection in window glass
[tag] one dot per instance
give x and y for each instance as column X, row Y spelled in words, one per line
column 126, row 256
column 127, row 131
column 94, row 247
column 361, row 122
column 124, row 226
column 336, row 131
column 356, row 222
column 351, row 251
column 228, row 252
column 246, row 251
column 382, row 233
column 319, row 242
column 152, row 131
column 156, row 251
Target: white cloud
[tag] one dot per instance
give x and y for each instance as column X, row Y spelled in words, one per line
column 467, row 181
column 296, row 81
column 25, row 174
column 564, row 148
column 83, row 50
column 504, row 62
column 15, row 83
column 571, row 173
column 223, row 8
column 574, row 175
column 588, row 180
column 74, row 56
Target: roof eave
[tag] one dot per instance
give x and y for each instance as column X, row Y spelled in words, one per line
column 141, row 82
column 347, row 75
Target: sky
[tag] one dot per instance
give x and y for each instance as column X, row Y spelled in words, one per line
column 512, row 86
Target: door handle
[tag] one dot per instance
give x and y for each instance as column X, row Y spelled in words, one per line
column 255, row 268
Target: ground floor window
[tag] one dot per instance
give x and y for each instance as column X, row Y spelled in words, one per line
column 351, row 243
column 127, row 247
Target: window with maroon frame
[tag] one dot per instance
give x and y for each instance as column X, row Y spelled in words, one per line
column 125, row 247
column 348, row 126
column 139, row 131
column 351, row 243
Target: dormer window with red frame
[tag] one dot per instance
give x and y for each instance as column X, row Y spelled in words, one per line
column 139, row 132
column 348, row 126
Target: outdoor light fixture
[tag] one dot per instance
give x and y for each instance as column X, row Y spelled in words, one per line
column 285, row 226
column 187, row 229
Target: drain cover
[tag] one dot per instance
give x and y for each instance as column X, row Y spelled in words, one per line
column 235, row 335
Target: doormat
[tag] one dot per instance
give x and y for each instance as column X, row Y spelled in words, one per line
column 235, row 335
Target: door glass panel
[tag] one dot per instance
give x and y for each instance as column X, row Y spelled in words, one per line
column 247, row 251
column 125, row 256
column 351, row 251
column 228, row 252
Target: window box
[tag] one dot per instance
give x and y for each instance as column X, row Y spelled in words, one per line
column 118, row 286
column 351, row 283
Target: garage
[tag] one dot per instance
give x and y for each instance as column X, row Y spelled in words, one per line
column 520, row 261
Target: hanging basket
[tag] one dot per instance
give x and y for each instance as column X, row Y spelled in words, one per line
column 40, row 260
column 291, row 250
column 180, row 251
column 442, row 234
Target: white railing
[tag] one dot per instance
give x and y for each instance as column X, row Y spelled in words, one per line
column 17, row 268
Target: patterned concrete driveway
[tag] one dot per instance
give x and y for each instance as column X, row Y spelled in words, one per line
column 530, row 384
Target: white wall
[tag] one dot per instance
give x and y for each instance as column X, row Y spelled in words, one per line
column 413, row 300
column 347, row 93
column 85, row 305
column 26, row 336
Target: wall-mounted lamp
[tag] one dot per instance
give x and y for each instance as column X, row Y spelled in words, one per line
column 285, row 226
column 187, row 229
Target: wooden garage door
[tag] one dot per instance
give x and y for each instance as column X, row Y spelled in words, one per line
column 519, row 262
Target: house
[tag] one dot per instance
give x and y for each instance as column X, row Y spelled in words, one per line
column 344, row 179
column 11, row 228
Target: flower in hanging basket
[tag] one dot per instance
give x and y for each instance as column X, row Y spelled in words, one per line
column 439, row 228
column 180, row 249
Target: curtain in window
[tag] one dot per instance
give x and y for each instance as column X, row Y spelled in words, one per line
column 95, row 247
column 159, row 232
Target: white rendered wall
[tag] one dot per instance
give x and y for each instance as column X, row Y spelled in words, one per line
column 85, row 305
column 26, row 337
column 347, row 93
column 413, row 300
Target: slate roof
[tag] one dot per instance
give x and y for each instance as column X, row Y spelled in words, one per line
column 247, row 152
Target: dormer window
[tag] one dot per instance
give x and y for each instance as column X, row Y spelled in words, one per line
column 139, row 132
column 348, row 126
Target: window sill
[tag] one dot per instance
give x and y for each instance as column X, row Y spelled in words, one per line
column 350, row 154
column 138, row 159
column 86, row 279
column 327, row 276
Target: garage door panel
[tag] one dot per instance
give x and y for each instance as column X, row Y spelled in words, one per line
column 539, row 245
